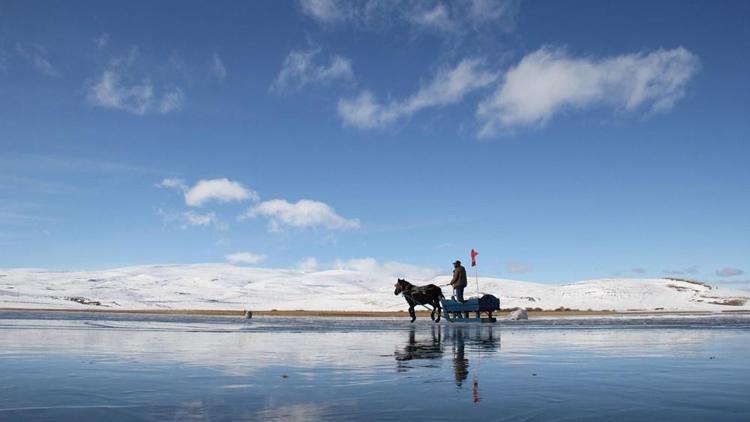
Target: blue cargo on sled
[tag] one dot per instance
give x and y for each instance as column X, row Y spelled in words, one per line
column 455, row 311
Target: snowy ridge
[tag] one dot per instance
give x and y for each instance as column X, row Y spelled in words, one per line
column 222, row 286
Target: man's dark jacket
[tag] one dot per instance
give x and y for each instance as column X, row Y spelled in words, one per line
column 459, row 277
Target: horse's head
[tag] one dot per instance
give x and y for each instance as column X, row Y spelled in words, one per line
column 399, row 287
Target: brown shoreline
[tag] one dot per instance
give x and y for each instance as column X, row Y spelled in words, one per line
column 353, row 314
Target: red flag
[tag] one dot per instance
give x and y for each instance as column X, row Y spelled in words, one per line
column 474, row 257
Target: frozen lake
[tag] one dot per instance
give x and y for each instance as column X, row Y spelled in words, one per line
column 65, row 366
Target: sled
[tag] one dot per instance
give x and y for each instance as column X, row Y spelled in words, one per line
column 455, row 311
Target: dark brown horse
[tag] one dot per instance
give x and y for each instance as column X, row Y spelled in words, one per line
column 420, row 295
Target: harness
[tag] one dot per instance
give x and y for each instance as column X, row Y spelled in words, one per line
column 407, row 295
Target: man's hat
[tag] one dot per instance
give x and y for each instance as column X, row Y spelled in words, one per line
column 457, row 262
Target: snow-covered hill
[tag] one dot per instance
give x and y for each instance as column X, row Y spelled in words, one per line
column 221, row 286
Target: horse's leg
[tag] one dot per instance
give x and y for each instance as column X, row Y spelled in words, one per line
column 437, row 308
column 412, row 313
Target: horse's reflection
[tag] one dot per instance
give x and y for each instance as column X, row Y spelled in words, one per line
column 440, row 340
column 422, row 348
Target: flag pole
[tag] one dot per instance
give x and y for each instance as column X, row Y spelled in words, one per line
column 476, row 277
column 473, row 255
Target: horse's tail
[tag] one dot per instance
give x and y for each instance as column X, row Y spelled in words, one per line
column 441, row 293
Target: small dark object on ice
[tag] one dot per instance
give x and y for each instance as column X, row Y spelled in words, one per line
column 84, row 301
column 248, row 314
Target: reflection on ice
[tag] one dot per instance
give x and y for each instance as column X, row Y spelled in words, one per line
column 450, row 340
column 188, row 368
column 237, row 346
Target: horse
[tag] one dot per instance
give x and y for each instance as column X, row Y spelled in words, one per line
column 420, row 295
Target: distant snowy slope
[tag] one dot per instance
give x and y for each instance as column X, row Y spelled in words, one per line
column 221, row 286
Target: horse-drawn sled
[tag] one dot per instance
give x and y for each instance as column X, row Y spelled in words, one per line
column 471, row 309
column 432, row 298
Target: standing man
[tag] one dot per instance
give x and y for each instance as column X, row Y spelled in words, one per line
column 459, row 280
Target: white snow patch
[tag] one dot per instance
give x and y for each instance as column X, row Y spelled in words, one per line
column 223, row 286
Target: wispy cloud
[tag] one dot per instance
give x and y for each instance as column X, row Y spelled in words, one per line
column 308, row 265
column 518, row 267
column 34, row 184
column 729, row 272
column 493, row 12
column 691, row 270
column 36, row 54
column 57, row 167
column 453, row 17
column 550, row 81
column 304, row 213
column 172, row 183
column 189, row 219
column 23, row 214
column 302, row 68
column 193, row 218
column 111, row 92
column 389, row 268
column 250, row 258
column 125, row 86
column 449, row 86
column 217, row 67
column 172, row 100
column 638, row 270
column 435, row 17
column 102, row 40
column 325, row 11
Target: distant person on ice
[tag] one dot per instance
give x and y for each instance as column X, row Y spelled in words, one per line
column 459, row 280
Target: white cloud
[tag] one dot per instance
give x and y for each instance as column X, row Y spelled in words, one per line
column 123, row 85
column 436, row 18
column 304, row 213
column 245, row 258
column 37, row 56
column 172, row 183
column 308, row 265
column 171, row 100
column 517, row 267
column 324, row 11
column 449, row 86
column 221, row 190
column 387, row 269
column 217, row 67
column 188, row 219
column 300, row 69
column 102, row 40
column 549, row 81
column 109, row 92
column 729, row 272
column 488, row 11
column 452, row 17
column 193, row 218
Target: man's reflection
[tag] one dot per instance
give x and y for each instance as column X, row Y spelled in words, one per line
column 460, row 363
column 479, row 339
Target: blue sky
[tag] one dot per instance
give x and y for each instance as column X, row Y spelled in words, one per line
column 563, row 142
